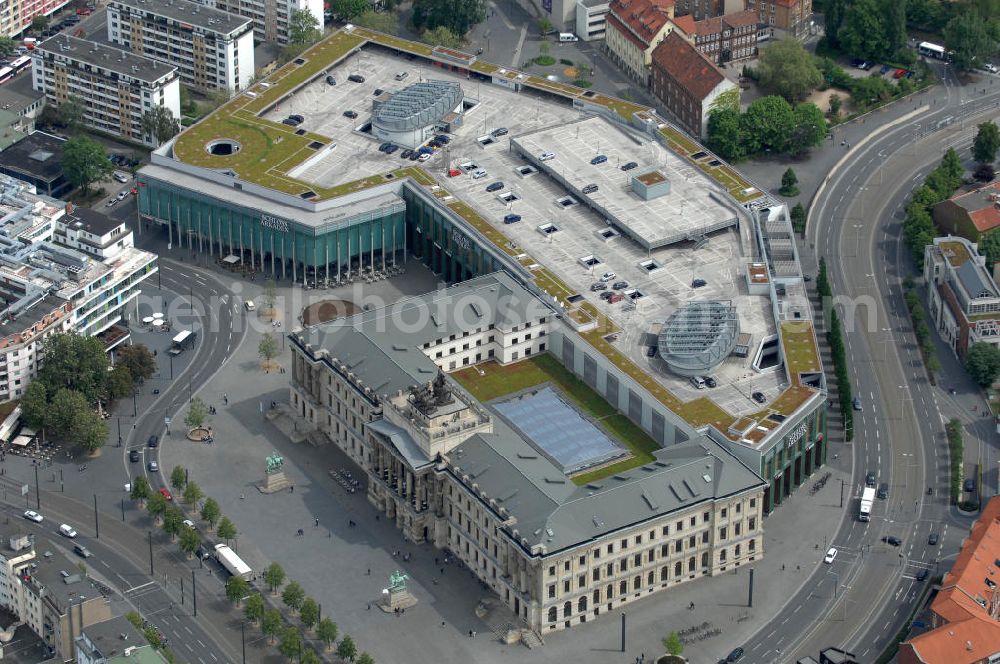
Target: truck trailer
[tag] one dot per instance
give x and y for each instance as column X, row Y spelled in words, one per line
column 867, row 502
column 233, row 563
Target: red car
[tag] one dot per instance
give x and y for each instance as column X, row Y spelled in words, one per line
column 454, row 172
column 615, row 297
column 84, row 11
column 166, row 493
column 899, row 73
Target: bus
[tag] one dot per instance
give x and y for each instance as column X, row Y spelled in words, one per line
column 20, row 64
column 867, row 502
column 932, row 51
column 183, row 340
column 6, row 73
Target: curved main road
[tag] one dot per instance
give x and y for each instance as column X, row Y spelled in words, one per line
column 863, row 599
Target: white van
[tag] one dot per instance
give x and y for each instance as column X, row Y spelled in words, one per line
column 401, row 76
column 698, row 382
column 568, row 37
column 67, row 531
column 250, row 306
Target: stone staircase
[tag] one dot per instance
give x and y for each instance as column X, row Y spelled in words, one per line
column 505, row 626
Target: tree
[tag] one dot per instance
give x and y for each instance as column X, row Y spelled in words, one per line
column 862, row 34
column 786, row 68
column 798, row 217
column 119, row 383
column 84, row 162
column 303, row 28
column 140, row 489
column 253, row 608
column 190, row 539
column 894, row 15
column 386, row 22
column 293, row 595
column 925, row 13
column 197, row 413
column 326, row 631
column 269, row 295
column 951, row 167
column 966, row 37
column 210, row 512
column 7, row 45
column 672, row 644
column 809, row 131
column 984, row 172
column 348, row 10
column 544, row 26
column 227, row 530
column 725, row 135
column 237, row 588
column 39, row 23
column 291, row 643
column 72, row 361
column 441, row 36
column 192, row 494
column 310, row 657
column 835, row 106
column 35, row 405
column 346, row 649
column 156, row 505
column 309, row 612
column 173, row 522
column 986, row 143
column 770, row 121
column 456, row 15
column 178, row 478
column 365, row 658
column 67, row 410
column 789, row 184
column 270, row 624
column 160, row 123
column 91, row 432
column 70, row 114
column 268, row 348
column 833, row 19
column 274, row 576
column 138, row 360
column 982, row 361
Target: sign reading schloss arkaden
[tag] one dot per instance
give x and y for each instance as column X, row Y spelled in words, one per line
column 267, row 221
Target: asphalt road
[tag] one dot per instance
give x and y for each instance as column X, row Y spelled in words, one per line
column 863, row 599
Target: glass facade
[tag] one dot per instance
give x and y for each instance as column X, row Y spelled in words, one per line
column 794, row 458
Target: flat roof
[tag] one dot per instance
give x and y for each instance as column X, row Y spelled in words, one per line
column 689, row 210
column 91, row 221
column 38, row 155
column 188, row 14
column 108, row 58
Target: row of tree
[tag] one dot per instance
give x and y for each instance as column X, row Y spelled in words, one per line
column 769, row 125
column 74, row 383
column 940, row 183
column 876, row 29
column 921, row 330
column 956, row 449
column 835, row 337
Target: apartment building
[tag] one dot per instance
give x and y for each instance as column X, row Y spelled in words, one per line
column 115, row 641
column 963, row 300
column 634, row 28
column 16, row 15
column 49, row 594
column 270, row 17
column 791, row 16
column 687, row 82
column 117, row 87
column 728, row 38
column 211, row 49
column 592, row 19
column 451, row 472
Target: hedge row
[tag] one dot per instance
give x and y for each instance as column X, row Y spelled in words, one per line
column 956, row 450
column 923, row 332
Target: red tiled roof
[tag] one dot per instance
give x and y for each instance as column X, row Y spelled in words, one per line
column 715, row 25
column 741, row 19
column 644, row 18
column 622, row 29
column 985, row 219
column 972, row 631
column 685, row 23
column 683, row 62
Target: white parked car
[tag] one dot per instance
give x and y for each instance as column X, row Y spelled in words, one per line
column 547, row 155
column 830, row 556
column 122, row 195
column 479, row 174
column 423, row 157
column 32, row 515
column 67, row 531
column 189, row 523
column 608, row 276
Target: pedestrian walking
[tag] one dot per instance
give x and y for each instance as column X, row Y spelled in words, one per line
column 317, row 522
column 442, row 624
column 369, row 572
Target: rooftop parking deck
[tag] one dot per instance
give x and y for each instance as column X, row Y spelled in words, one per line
column 687, row 210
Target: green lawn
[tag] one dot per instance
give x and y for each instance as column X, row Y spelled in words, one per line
column 502, row 380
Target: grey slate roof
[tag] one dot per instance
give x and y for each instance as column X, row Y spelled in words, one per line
column 976, row 281
column 554, row 512
column 383, row 346
column 187, row 13
column 402, row 441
